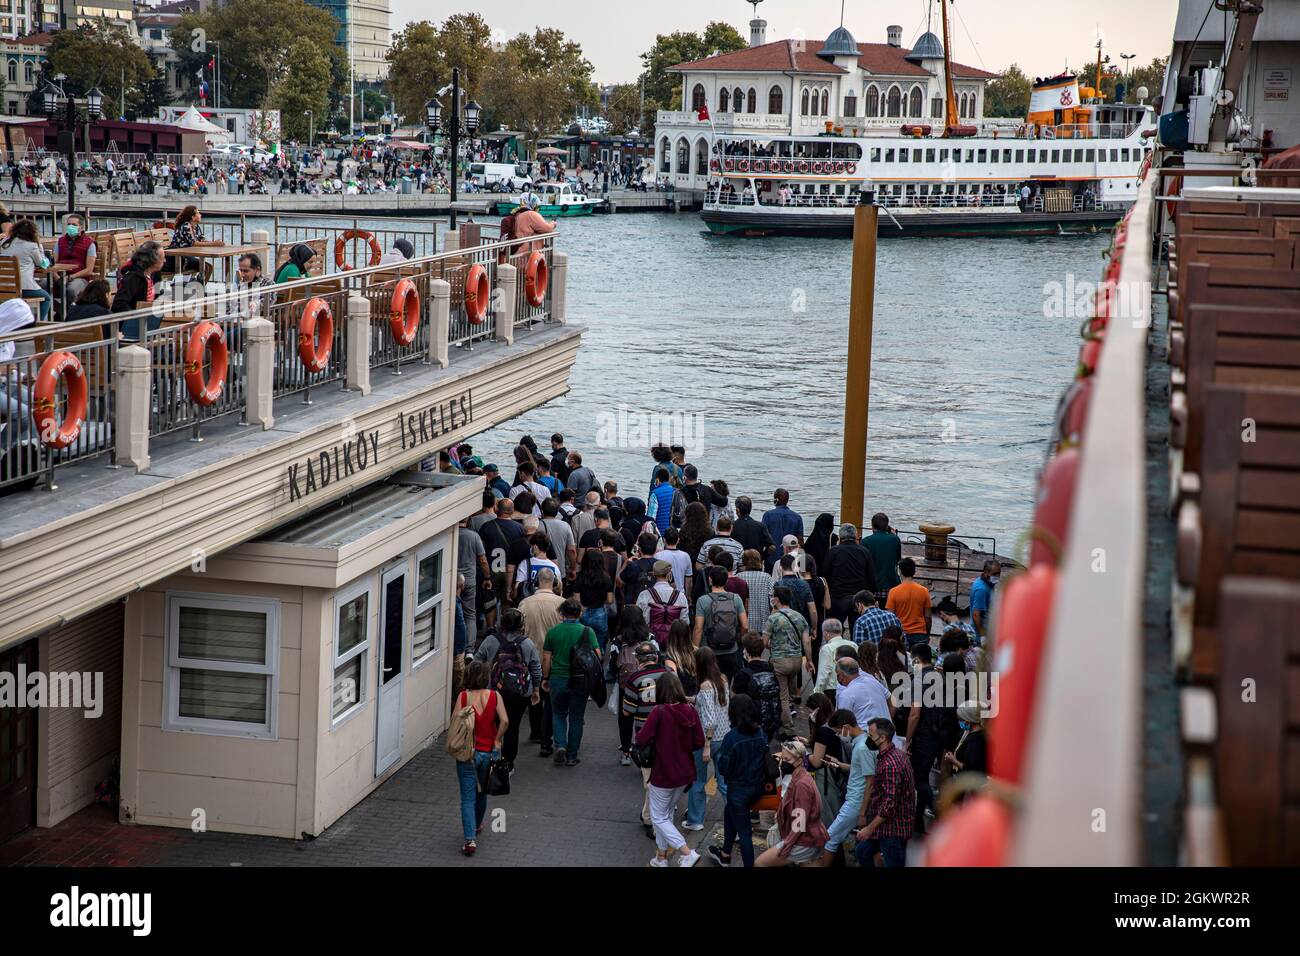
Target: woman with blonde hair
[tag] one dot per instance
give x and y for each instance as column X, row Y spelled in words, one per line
column 799, row 816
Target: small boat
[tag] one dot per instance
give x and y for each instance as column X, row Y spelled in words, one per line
column 558, row 199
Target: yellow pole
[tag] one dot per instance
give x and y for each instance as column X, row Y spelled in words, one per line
column 857, row 380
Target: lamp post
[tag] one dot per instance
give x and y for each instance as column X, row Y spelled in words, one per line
column 68, row 135
column 311, row 128
column 433, row 115
column 1128, row 70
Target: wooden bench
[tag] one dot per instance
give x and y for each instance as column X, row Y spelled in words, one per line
column 316, row 265
column 11, row 285
column 1252, row 252
column 1248, row 518
column 1258, row 758
column 1205, row 284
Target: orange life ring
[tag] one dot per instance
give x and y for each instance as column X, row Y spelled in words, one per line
column 852, row 167
column 478, row 293
column 803, row 165
column 760, row 166
column 206, row 391
column 978, row 833
column 1055, row 498
column 743, row 165
column 315, row 335
column 1072, row 419
column 52, row 432
column 341, row 244
column 404, row 317
column 1021, row 619
column 1089, row 356
column 536, row 278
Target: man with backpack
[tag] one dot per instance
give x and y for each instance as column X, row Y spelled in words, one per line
column 721, row 621
column 790, row 648
column 516, row 675
column 541, row 612
column 662, row 603
column 638, row 574
column 568, row 705
column 757, row 680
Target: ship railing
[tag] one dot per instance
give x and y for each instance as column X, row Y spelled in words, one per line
column 156, row 340
column 949, row 568
column 946, row 201
column 1075, row 131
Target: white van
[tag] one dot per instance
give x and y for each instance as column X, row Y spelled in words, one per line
column 499, row 177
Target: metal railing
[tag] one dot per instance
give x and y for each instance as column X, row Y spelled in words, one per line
column 165, row 329
column 527, row 314
column 935, row 575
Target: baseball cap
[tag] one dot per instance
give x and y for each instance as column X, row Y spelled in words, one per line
column 491, row 468
column 790, row 541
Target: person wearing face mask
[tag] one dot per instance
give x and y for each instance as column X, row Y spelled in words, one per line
column 972, row 750
column 861, row 769
column 74, row 258
column 981, row 596
column 891, row 803
column 799, row 815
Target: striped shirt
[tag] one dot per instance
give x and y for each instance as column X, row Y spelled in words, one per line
column 727, row 544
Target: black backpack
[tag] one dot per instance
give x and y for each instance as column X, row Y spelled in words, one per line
column 724, row 622
column 586, row 676
column 510, row 672
column 767, row 694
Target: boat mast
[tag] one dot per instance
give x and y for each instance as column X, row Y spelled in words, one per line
column 950, row 97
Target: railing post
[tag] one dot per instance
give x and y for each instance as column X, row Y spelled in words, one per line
column 131, row 429
column 259, row 361
column 357, row 341
column 439, row 321
column 260, row 237
column 503, row 308
column 559, row 286
column 451, row 241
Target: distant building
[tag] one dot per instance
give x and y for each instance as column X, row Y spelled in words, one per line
column 365, row 33
column 154, row 24
column 70, row 14
column 22, row 61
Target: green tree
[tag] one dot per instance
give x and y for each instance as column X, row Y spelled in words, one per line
column 257, row 40
column 305, row 87
column 536, row 83
column 1008, row 95
column 624, row 109
column 152, row 95
column 664, row 88
column 374, row 105
column 423, row 56
column 98, row 54
column 1151, row 76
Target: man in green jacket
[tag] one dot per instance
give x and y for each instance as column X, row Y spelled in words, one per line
column 886, row 551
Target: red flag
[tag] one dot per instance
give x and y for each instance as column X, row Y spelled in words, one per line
column 703, row 113
column 212, row 63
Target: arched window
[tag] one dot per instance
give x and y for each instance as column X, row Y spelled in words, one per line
column 13, row 71
column 724, row 100
column 914, row 107
column 974, row 105
column 738, row 100
column 701, row 157
column 850, row 105
column 751, row 105
column 936, row 107
column 894, row 102
column 697, row 97
column 871, row 105
column 665, row 155
column 803, row 100
column 27, row 72
column 776, row 100
column 683, row 156
column 826, row 103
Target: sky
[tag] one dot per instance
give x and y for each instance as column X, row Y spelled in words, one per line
column 1042, row 36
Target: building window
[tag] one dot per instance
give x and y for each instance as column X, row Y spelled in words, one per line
column 426, row 641
column 737, row 100
column 914, row 107
column 222, row 665
column 683, row 156
column 894, row 102
column 775, row 100
column 871, row 103
column 352, row 608
column 665, row 155
column 697, row 97
column 826, row 103
column 751, row 105
column 27, row 72
column 803, row 103
column 936, row 107
column 850, row 105
column 724, row 100
column 13, row 71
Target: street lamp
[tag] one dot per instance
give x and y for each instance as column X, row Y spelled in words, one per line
column 68, row 135
column 1127, row 70
column 311, row 128
column 453, row 125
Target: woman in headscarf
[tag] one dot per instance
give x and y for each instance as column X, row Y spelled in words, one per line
column 295, row 267
column 821, row 539
column 401, row 252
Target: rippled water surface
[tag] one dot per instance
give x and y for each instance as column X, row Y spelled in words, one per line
column 751, row 335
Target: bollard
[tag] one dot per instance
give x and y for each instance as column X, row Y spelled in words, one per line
column 134, row 386
column 559, row 286
column 357, row 342
column 936, row 541
column 450, row 241
column 259, row 361
column 439, row 322
column 503, row 305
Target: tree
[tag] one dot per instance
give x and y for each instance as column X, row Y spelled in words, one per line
column 257, row 40
column 305, row 87
column 1008, row 95
column 100, row 55
column 152, row 95
column 669, row 49
column 624, row 109
column 423, row 56
column 374, row 105
column 536, row 83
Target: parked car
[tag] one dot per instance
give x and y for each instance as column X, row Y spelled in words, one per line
column 499, row 177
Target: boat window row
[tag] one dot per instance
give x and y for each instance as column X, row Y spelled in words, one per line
column 789, row 149
column 975, row 155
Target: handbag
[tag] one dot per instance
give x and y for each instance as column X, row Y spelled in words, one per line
column 498, row 779
column 643, row 755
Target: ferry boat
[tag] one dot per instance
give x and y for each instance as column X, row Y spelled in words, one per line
column 1072, row 165
column 558, row 199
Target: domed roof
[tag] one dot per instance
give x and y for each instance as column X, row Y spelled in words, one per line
column 839, row 43
column 927, row 47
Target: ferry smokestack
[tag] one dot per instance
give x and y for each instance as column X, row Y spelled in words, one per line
column 757, row 31
column 894, row 35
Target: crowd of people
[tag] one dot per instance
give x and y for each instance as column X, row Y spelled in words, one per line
column 728, row 646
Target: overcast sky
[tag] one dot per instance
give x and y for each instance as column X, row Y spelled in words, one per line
column 1040, row 35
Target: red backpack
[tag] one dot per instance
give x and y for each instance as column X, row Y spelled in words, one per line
column 662, row 615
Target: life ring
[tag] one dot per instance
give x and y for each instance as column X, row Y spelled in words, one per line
column 803, row 165
column 1072, row 417
column 760, row 166
column 743, row 166
column 1055, row 498
column 839, row 167
column 341, row 244
column 852, row 168
column 713, row 164
column 478, row 292
column 1049, row 132
column 1021, row 619
column 1089, row 357
column 536, row 278
column 728, row 165
column 52, row 432
column 206, row 335
column 404, row 314
column 978, row 833
column 818, row 167
column 315, row 335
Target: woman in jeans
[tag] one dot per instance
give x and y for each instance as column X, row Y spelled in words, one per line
column 673, row 727
column 513, row 641
column 595, row 591
column 799, row 817
column 742, row 762
column 711, row 703
column 490, row 723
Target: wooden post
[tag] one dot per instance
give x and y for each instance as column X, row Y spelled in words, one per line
column 857, row 379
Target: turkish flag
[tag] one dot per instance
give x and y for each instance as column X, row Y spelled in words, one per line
column 212, row 63
column 703, row 113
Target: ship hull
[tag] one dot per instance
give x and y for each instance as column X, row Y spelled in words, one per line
column 727, row 222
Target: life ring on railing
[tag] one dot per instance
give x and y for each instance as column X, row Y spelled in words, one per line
column 52, row 432
column 1175, row 188
column 404, row 312
column 803, row 165
column 537, row 277
column 478, row 294
column 1021, row 619
column 978, row 833
column 713, row 164
column 728, row 165
column 341, row 244
column 1089, row 357
column 315, row 335
column 852, row 168
column 743, row 166
column 760, row 166
column 1072, row 413
column 205, row 336
column 1055, row 499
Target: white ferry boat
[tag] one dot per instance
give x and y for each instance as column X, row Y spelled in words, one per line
column 558, row 199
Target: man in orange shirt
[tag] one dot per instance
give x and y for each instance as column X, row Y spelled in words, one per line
column 911, row 602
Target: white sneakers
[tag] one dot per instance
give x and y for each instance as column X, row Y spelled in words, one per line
column 692, row 826
column 689, row 859
column 659, row 861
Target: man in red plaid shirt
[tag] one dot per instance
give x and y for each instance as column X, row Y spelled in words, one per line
column 892, row 803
